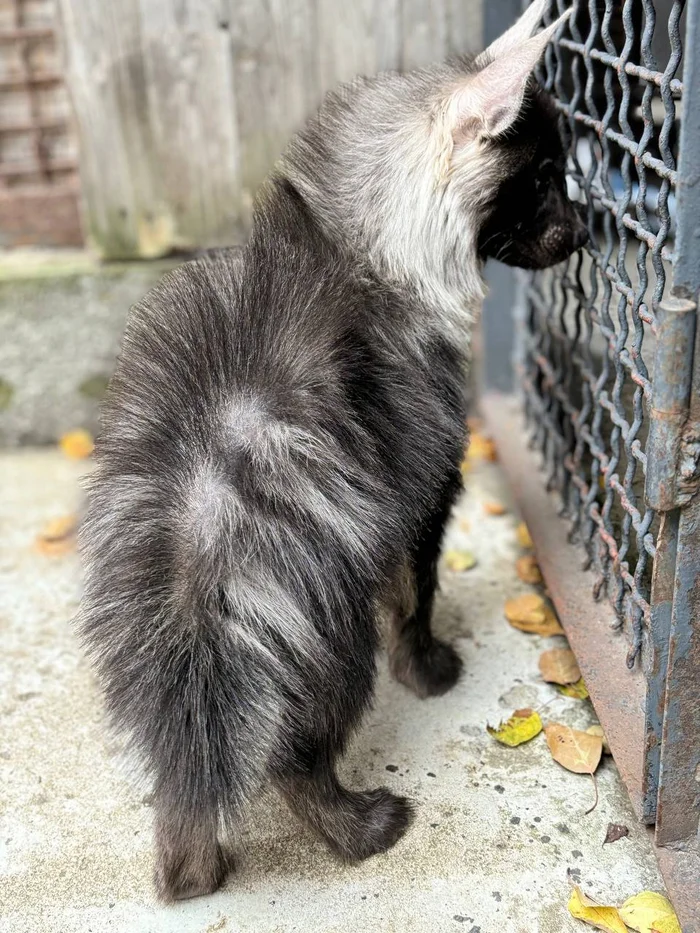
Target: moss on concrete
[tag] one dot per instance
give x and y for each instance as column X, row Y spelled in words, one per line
column 62, row 316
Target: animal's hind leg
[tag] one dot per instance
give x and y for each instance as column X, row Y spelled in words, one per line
column 422, row 662
column 356, row 824
column 190, row 860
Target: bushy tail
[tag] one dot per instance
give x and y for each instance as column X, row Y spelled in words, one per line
column 187, row 681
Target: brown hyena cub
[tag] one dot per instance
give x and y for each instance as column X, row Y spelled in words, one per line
column 281, row 445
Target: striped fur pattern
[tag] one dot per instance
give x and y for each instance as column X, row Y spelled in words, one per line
column 280, row 452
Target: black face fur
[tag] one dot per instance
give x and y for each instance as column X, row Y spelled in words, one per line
column 532, row 224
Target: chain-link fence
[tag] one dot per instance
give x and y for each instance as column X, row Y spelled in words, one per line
column 589, row 337
column 609, row 380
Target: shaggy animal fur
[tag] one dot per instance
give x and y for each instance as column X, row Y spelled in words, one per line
column 281, row 445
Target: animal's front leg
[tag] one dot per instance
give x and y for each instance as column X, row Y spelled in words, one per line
column 422, row 662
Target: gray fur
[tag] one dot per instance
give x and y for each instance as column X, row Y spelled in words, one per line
column 279, row 454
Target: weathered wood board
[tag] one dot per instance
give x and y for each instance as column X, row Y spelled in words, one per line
column 183, row 106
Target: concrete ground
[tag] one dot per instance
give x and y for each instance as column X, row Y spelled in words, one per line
column 500, row 834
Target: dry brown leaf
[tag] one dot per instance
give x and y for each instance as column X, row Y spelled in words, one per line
column 576, row 751
column 77, row 444
column 579, row 691
column 559, row 666
column 595, row 915
column 459, row 561
column 522, row 726
column 615, row 832
column 494, row 508
column 57, row 537
column 530, row 613
column 598, row 730
column 528, row 569
column 522, row 533
column 530, row 607
column 649, row 912
column 481, row 448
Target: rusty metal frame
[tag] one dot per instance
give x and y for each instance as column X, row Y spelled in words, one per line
column 605, row 463
column 679, row 778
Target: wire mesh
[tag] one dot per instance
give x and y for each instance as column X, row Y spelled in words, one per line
column 588, row 335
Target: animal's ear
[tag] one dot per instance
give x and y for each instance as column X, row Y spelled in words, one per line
column 519, row 32
column 489, row 102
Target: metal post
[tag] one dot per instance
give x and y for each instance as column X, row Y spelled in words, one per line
column 498, row 328
column 673, row 366
column 678, row 807
column 498, row 332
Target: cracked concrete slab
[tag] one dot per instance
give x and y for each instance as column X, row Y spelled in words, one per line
column 499, row 837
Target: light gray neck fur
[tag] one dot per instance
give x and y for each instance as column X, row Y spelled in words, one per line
column 368, row 165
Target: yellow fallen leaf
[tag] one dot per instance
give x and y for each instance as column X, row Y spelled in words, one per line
column 598, row 730
column 530, row 607
column 615, row 831
column 494, row 508
column 459, row 561
column 559, row 666
column 59, row 528
column 576, row 751
column 522, row 533
column 530, row 613
column 649, row 912
column 595, row 915
column 465, row 466
column 578, row 690
column 57, row 536
column 481, row 448
column 528, row 569
column 522, row 726
column 77, row 444
column 666, row 925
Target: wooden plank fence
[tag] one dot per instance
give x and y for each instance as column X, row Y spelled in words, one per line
column 182, row 106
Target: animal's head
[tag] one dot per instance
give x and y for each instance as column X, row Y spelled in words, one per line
column 501, row 152
column 431, row 172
